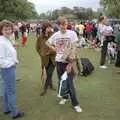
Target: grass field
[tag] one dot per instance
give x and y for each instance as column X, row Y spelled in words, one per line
column 99, row 93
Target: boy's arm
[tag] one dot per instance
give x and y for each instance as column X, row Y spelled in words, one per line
column 51, row 43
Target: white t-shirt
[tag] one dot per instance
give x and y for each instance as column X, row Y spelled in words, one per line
column 61, row 41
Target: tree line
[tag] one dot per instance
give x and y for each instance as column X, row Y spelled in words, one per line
column 23, row 9
column 74, row 13
column 111, row 8
column 17, row 10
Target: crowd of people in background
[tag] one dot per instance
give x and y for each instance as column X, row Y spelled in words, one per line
column 53, row 38
column 87, row 31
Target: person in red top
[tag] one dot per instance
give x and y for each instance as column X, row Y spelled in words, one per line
column 89, row 28
column 24, row 34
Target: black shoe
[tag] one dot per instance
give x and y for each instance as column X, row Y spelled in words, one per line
column 18, row 115
column 43, row 92
column 6, row 113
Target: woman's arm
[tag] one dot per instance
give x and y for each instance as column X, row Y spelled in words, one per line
column 38, row 45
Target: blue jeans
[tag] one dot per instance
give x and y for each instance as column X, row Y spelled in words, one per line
column 1, row 84
column 9, row 97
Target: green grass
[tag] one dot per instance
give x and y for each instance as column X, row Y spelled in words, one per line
column 98, row 93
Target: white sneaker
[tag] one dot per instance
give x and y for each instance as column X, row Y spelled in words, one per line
column 103, row 67
column 59, row 96
column 63, row 101
column 78, row 109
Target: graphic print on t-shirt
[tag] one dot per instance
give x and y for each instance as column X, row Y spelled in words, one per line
column 61, row 44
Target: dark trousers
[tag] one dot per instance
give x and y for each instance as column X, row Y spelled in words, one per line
column 61, row 68
column 103, row 53
column 104, row 49
column 117, row 63
column 49, row 72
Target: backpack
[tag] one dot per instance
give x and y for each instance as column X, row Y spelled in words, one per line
column 85, row 66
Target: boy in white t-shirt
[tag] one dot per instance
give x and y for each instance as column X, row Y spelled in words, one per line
column 58, row 42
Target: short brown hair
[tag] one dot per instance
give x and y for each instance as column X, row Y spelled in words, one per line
column 5, row 23
column 45, row 25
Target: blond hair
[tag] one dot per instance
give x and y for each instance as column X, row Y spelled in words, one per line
column 62, row 20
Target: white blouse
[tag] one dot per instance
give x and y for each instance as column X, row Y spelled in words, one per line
column 8, row 54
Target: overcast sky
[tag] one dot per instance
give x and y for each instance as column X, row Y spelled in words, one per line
column 45, row 5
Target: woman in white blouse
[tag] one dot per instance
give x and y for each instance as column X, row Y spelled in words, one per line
column 8, row 61
column 105, row 32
